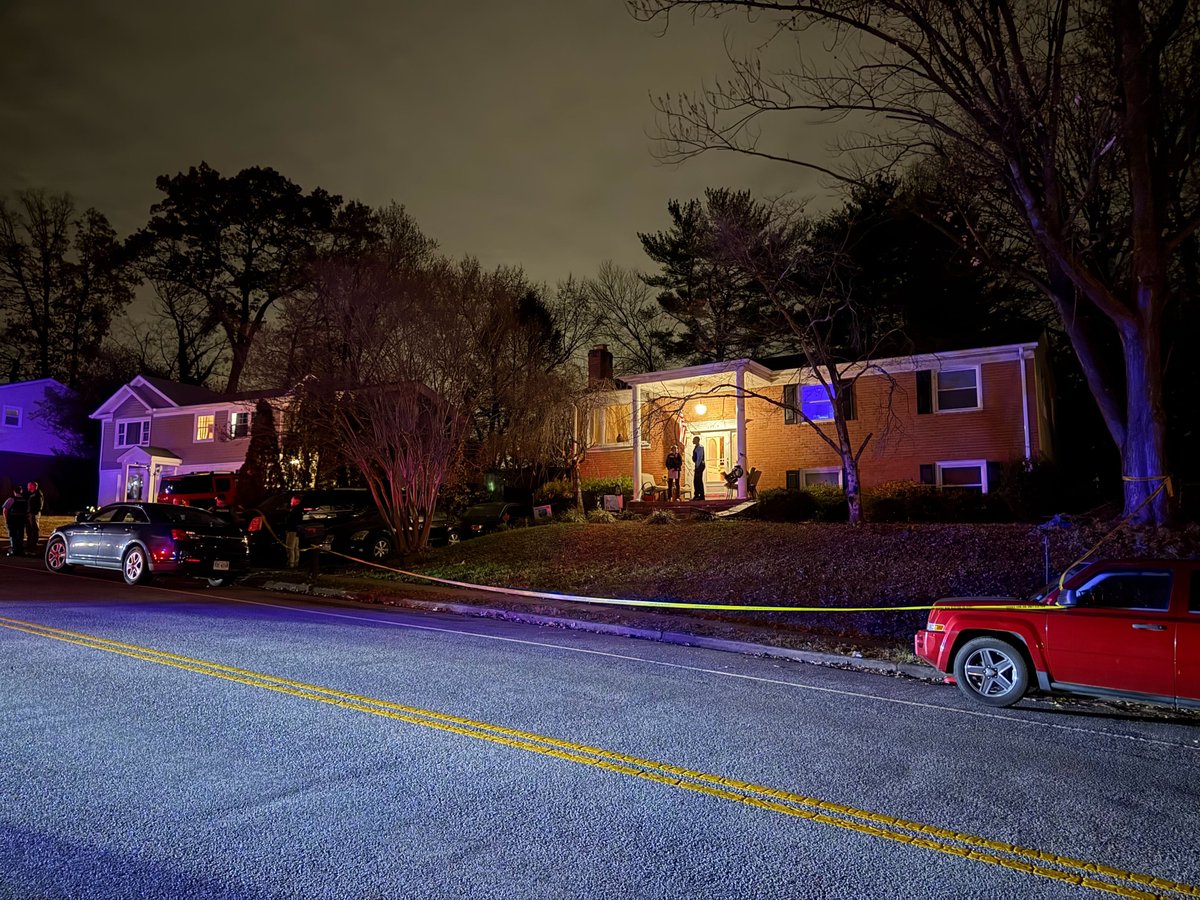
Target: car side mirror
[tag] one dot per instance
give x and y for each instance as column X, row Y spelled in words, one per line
column 1068, row 597
column 81, row 517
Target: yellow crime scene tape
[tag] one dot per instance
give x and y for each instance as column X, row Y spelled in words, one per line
column 1039, row 863
column 1165, row 484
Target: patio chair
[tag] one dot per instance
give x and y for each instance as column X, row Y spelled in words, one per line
column 752, row 483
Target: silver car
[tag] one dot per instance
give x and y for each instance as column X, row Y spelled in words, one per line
column 145, row 539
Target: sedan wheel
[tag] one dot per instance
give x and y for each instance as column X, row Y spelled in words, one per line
column 134, row 566
column 452, row 537
column 991, row 671
column 56, row 555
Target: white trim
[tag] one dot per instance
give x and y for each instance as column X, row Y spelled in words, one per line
column 686, row 372
column 956, row 359
column 1025, row 404
column 4, row 416
column 978, row 370
column 109, row 407
column 961, row 464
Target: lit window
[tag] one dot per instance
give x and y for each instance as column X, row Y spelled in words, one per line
column 816, row 402
column 610, row 425
column 12, row 417
column 133, row 433
column 968, row 476
column 206, row 425
column 239, row 424
column 957, row 389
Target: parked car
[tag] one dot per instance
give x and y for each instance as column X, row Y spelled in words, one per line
column 142, row 540
column 486, row 517
column 1128, row 629
column 345, row 518
column 199, row 489
column 368, row 536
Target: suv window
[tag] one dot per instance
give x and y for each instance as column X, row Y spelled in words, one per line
column 1194, row 599
column 1126, row 590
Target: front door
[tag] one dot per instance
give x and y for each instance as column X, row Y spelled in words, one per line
column 135, row 483
column 720, row 447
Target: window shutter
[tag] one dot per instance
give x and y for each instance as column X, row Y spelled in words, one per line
column 793, row 479
column 846, row 399
column 790, row 404
column 995, row 473
column 927, row 476
column 924, row 392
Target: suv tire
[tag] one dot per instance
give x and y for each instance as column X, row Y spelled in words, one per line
column 991, row 671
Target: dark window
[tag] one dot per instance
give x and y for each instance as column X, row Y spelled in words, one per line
column 958, row 389
column 186, row 515
column 790, row 406
column 793, row 479
column 1194, row 599
column 223, row 484
column 106, row 514
column 1127, row 590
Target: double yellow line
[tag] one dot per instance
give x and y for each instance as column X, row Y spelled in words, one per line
column 1038, row 863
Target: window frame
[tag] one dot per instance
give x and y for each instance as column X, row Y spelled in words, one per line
column 233, row 421
column 601, row 413
column 827, row 400
column 822, row 470
column 121, row 432
column 20, row 416
column 936, row 389
column 212, row 428
column 981, row 464
column 1119, row 573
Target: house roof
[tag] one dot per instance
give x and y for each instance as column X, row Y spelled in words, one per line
column 162, row 393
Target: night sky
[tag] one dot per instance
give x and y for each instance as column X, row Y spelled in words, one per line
column 519, row 131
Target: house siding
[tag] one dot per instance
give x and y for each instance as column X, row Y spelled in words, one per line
column 901, row 441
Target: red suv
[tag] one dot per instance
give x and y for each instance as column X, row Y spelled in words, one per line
column 1128, row 629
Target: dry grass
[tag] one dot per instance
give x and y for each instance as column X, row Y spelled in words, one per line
column 762, row 563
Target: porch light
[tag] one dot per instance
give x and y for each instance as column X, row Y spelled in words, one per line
column 701, row 409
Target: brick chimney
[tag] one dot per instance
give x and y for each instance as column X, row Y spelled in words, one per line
column 600, row 367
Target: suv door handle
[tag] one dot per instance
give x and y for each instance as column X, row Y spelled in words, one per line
column 1146, row 626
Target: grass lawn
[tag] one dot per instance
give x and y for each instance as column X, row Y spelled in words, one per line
column 783, row 564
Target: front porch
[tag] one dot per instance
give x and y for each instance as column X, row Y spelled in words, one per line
column 686, row 508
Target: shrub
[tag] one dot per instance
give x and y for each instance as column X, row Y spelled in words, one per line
column 554, row 491
column 909, row 501
column 594, row 489
column 662, row 517
column 820, row 503
column 600, row 517
column 573, row 516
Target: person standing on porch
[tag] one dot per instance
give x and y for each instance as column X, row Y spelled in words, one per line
column 698, row 463
column 674, row 467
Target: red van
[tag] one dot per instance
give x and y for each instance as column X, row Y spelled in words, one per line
column 199, row 489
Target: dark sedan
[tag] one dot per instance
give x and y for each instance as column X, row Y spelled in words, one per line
column 145, row 539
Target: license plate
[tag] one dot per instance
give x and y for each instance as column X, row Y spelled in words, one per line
column 221, row 565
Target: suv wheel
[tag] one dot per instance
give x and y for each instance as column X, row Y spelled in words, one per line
column 991, row 671
column 379, row 547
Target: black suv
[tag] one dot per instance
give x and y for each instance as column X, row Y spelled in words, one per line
column 344, row 519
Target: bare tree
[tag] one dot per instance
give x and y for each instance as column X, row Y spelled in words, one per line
column 62, row 280
column 182, row 340
column 629, row 318
column 1086, row 113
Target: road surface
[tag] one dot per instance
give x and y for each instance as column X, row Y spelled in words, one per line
column 172, row 741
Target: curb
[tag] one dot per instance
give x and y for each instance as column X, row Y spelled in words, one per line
column 685, row 639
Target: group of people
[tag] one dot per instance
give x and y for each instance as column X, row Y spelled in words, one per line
column 22, row 516
column 675, row 469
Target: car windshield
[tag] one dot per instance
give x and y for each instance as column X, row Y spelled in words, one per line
column 1052, row 585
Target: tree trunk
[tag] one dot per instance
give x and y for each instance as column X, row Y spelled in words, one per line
column 853, row 490
column 1143, row 456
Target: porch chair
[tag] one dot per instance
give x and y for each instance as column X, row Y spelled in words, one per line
column 752, row 483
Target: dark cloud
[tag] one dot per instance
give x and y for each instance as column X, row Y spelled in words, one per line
column 517, row 131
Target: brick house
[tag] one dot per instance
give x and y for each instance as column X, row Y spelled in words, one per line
column 948, row 419
column 153, row 427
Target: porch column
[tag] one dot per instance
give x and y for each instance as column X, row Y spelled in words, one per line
column 741, row 429
column 635, row 432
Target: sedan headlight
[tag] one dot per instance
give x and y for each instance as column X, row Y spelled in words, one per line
column 359, row 535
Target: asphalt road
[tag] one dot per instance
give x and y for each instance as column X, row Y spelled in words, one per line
column 172, row 741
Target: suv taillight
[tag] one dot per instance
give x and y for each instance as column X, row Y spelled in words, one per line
column 256, row 524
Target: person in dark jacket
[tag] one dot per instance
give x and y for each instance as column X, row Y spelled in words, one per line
column 295, row 518
column 15, row 510
column 35, row 500
column 674, row 467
